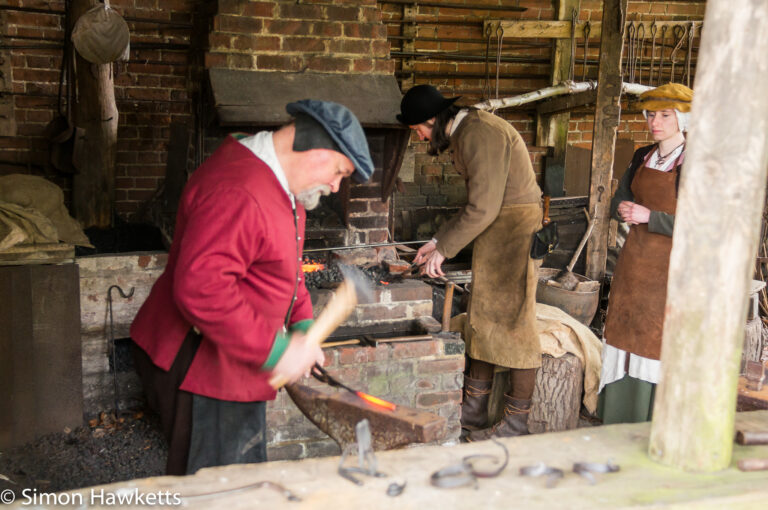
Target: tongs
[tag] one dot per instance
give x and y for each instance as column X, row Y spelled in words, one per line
column 319, row 373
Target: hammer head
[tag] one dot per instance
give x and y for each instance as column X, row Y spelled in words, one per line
column 360, row 282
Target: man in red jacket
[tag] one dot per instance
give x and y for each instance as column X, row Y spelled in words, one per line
column 231, row 309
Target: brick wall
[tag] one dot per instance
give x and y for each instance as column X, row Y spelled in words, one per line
column 328, row 36
column 151, row 89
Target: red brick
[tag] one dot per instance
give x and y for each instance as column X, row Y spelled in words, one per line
column 440, row 366
column 298, row 11
column 259, row 9
column 215, row 60
column 240, row 61
column 326, row 28
column 402, row 350
column 303, row 44
column 278, row 62
column 438, row 398
column 238, row 24
column 328, row 64
column 287, row 27
column 338, row 13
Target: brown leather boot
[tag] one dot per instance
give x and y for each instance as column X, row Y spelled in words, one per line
column 514, row 422
column 474, row 407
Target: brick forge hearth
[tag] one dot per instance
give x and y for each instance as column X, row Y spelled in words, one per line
column 425, row 372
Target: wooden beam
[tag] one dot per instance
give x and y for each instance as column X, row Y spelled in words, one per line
column 93, row 187
column 607, row 110
column 717, row 229
column 552, row 130
column 561, row 29
column 564, row 103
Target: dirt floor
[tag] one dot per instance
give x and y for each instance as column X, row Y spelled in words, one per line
column 104, row 451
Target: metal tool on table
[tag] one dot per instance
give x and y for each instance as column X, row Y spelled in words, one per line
column 553, row 474
column 341, row 304
column 366, row 459
column 290, row 496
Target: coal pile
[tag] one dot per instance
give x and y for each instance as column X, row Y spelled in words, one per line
column 105, row 451
column 331, row 277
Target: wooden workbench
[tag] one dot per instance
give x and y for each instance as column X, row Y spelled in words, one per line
column 641, row 483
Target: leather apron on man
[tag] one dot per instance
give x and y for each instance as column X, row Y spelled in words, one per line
column 639, row 289
column 502, row 315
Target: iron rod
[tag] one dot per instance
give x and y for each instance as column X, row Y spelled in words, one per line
column 371, row 245
column 479, row 7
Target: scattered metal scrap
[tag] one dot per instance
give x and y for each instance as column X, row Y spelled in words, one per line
column 290, row 496
column 466, row 473
column 366, row 460
column 585, row 469
column 553, row 474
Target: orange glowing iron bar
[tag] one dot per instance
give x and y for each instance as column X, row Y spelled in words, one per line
column 320, row 374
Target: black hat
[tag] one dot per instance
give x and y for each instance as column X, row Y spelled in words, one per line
column 421, row 103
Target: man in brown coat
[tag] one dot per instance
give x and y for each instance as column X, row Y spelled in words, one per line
column 503, row 211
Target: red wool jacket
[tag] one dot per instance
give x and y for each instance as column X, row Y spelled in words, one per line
column 232, row 270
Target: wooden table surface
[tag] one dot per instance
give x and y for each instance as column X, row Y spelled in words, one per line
column 641, row 483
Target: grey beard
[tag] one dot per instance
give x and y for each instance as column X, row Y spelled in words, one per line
column 311, row 197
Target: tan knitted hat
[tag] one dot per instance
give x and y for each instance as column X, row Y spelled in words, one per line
column 672, row 95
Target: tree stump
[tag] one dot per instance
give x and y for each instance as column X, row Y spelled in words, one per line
column 556, row 398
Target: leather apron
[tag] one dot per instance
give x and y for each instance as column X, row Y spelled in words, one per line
column 639, row 289
column 502, row 311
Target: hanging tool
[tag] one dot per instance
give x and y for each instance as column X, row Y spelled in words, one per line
column 629, row 72
column 499, row 43
column 689, row 53
column 639, row 54
column 654, row 29
column 487, row 84
column 663, row 46
column 587, row 30
column 339, row 307
column 112, row 348
column 572, row 63
column 678, row 33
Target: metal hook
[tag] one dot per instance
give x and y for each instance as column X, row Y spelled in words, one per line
column 112, row 339
column 678, row 32
column 661, row 64
column 587, row 30
column 630, row 48
column 639, row 55
column 654, row 29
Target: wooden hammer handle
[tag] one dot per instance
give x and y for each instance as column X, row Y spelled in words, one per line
column 338, row 308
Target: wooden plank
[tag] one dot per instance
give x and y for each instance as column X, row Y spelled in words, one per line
column 7, row 116
column 604, row 138
column 40, row 356
column 46, row 253
column 710, row 276
column 562, row 29
column 552, row 130
column 640, row 483
column 93, row 186
column 257, row 98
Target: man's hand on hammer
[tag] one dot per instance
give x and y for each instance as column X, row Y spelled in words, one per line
column 298, row 359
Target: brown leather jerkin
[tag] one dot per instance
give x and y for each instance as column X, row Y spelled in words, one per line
column 639, row 289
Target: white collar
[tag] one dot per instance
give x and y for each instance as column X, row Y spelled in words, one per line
column 263, row 147
column 457, row 120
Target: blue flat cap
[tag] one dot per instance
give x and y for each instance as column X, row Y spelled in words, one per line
column 342, row 125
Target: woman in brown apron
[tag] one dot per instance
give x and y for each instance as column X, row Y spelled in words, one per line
column 646, row 199
column 503, row 211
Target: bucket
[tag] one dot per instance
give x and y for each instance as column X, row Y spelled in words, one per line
column 581, row 305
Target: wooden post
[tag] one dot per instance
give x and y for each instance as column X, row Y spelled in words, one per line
column 552, row 130
column 715, row 241
column 93, row 187
column 607, row 111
